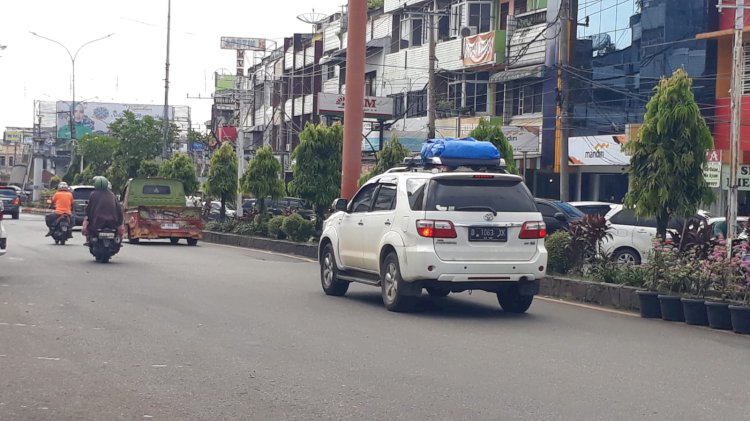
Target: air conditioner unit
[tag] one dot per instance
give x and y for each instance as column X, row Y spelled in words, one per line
column 468, row 31
column 288, row 147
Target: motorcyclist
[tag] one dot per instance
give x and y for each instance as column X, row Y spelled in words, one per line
column 103, row 210
column 62, row 200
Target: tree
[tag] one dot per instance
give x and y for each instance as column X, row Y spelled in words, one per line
column 148, row 168
column 181, row 167
column 139, row 140
column 493, row 133
column 317, row 170
column 97, row 151
column 392, row 155
column 667, row 159
column 222, row 176
column 261, row 178
column 374, row 4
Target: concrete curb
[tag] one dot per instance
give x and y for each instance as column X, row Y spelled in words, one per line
column 278, row 246
column 597, row 293
column 35, row 211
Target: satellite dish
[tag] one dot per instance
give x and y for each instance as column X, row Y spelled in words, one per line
column 313, row 18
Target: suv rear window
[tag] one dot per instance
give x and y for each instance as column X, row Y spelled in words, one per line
column 82, row 194
column 161, row 190
column 8, row 193
column 500, row 195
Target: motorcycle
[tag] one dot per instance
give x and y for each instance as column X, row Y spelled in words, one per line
column 63, row 231
column 104, row 244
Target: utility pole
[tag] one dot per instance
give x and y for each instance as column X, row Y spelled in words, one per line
column 355, row 97
column 432, row 85
column 561, row 129
column 165, row 152
column 240, row 139
column 736, row 109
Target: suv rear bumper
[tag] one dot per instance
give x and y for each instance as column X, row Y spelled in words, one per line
column 524, row 287
column 415, row 267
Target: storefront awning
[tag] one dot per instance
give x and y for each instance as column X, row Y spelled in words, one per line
column 516, row 74
column 340, row 55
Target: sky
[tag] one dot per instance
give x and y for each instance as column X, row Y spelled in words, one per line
column 129, row 67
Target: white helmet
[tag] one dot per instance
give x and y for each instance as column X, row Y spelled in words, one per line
column 63, row 186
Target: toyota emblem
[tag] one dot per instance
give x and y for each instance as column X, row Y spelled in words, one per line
column 489, row 217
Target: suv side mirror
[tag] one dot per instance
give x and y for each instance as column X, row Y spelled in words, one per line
column 560, row 217
column 339, row 205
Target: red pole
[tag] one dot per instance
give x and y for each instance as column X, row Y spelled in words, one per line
column 354, row 111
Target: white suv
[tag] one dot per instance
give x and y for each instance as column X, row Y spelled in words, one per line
column 3, row 236
column 444, row 232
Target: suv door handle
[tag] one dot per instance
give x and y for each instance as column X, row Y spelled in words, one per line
column 360, row 223
column 388, row 223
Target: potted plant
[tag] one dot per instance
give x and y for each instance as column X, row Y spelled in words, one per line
column 740, row 314
column 720, row 272
column 673, row 276
column 694, row 305
column 655, row 270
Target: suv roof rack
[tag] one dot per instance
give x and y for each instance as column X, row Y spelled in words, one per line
column 436, row 164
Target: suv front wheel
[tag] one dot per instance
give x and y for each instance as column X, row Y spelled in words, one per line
column 392, row 286
column 329, row 274
column 513, row 302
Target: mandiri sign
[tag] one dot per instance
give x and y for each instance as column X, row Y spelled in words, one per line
column 375, row 107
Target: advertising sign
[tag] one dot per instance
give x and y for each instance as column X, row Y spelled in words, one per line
column 375, row 107
column 598, row 150
column 712, row 170
column 225, row 82
column 13, row 136
column 743, row 177
column 235, row 43
column 479, row 49
column 95, row 117
column 522, row 139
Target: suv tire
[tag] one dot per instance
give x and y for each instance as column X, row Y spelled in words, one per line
column 513, row 302
column 392, row 286
column 329, row 274
column 16, row 215
column 627, row 256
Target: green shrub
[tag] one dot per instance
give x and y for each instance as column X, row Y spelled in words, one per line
column 612, row 272
column 558, row 260
column 54, row 182
column 275, row 227
column 214, row 226
column 260, row 225
column 297, row 228
column 244, row 229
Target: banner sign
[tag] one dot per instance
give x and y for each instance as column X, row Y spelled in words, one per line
column 234, row 43
column 598, row 150
column 95, row 117
column 375, row 107
column 479, row 49
column 522, row 139
column 743, row 177
column 712, row 170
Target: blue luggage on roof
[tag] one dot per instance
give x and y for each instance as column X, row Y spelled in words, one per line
column 457, row 152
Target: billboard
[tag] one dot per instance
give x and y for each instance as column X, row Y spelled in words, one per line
column 235, row 43
column 225, row 82
column 95, row 117
column 375, row 107
column 598, row 150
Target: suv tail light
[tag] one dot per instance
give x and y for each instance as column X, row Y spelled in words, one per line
column 16, row 201
column 533, row 230
column 431, row 228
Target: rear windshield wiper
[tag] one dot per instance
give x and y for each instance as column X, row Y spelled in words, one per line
column 477, row 209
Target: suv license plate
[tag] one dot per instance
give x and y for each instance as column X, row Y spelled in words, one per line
column 499, row 234
column 170, row 226
column 107, row 235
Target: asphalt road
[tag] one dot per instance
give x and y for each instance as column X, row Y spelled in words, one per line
column 212, row 332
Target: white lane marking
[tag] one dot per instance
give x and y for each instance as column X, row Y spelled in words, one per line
column 291, row 256
column 587, row 306
column 148, row 416
column 19, row 324
column 158, row 365
column 16, row 259
column 48, row 358
column 3, row 324
column 3, row 355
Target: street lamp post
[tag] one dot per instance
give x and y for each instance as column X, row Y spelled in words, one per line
column 73, row 77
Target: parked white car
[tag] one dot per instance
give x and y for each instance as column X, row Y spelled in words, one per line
column 593, row 208
column 443, row 232
column 3, row 235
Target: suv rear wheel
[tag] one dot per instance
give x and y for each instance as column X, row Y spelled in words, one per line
column 513, row 302
column 627, row 256
column 329, row 274
column 392, row 286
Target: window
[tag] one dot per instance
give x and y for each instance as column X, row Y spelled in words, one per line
column 455, row 94
column 370, row 87
column 521, row 7
column 476, row 91
column 504, row 12
column 363, row 200
column 415, row 192
column 457, row 14
column 2, row 161
column 160, row 190
column 10, row 161
column 500, row 195
column 82, row 193
column 746, row 72
column 527, row 99
column 570, row 210
column 412, row 32
column 416, row 102
column 330, row 72
column 398, row 105
column 546, row 210
column 500, row 100
column 386, row 198
column 624, row 217
column 480, row 16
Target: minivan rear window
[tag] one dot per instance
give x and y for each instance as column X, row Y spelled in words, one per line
column 82, row 193
column 161, row 190
column 445, row 194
